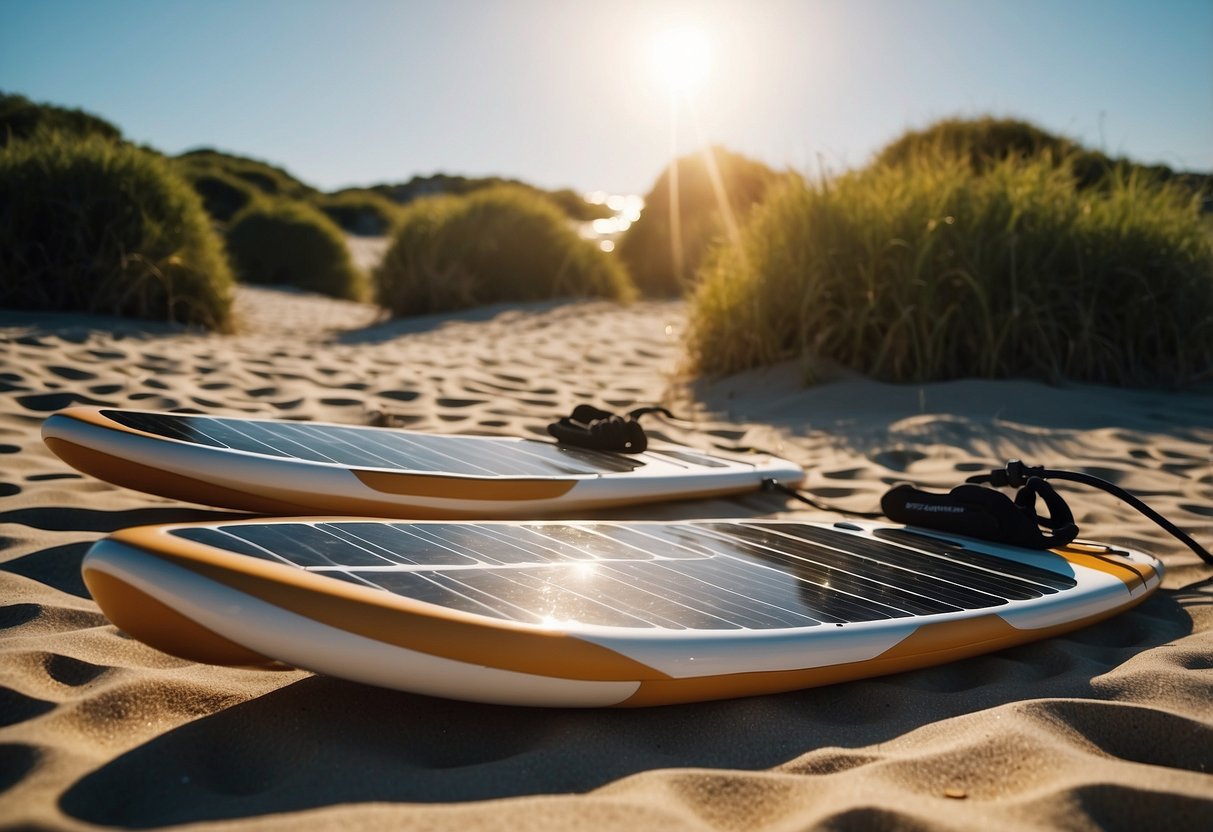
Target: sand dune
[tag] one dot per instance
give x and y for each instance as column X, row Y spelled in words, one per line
column 1109, row 727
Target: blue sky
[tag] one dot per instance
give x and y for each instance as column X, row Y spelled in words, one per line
column 563, row 93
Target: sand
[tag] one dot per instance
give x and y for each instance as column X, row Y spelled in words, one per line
column 1110, row 727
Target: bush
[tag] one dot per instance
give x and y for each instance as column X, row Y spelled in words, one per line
column 497, row 244
column 265, row 178
column 648, row 246
column 96, row 226
column 279, row 242
column 359, row 211
column 930, row 270
column 21, row 118
column 223, row 196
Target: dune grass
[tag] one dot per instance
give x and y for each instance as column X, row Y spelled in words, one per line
column 100, row 226
column 360, row 211
column 663, row 263
column 290, row 243
column 931, row 269
column 497, row 244
column 22, row 119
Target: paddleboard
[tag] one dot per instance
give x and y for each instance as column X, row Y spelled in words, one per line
column 288, row 468
column 596, row 614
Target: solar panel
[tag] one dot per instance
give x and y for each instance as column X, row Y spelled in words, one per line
column 710, row 575
column 359, row 447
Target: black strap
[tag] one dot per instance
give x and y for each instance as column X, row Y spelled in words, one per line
column 601, row 430
column 987, row 514
column 1016, row 473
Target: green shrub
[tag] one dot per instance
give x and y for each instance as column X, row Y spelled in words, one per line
column 267, row 179
column 223, row 196
column 497, row 244
column 575, row 206
column 648, row 247
column 96, row 226
column 21, row 118
column 930, row 270
column 290, row 243
column 359, row 211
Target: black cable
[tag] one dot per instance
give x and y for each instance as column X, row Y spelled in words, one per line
column 775, row 485
column 1017, row 473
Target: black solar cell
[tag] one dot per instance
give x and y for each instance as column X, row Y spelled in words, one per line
column 359, row 447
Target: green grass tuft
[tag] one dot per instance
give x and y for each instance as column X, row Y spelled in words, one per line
column 497, row 244
column 930, row 269
column 360, row 211
column 280, row 242
column 22, row 119
column 649, row 246
column 97, row 226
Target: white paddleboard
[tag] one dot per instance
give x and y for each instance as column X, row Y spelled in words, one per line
column 596, row 614
column 287, row 468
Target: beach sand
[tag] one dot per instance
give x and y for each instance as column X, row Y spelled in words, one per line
column 1110, row 727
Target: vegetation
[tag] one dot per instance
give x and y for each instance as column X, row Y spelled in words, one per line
column 21, row 119
column 650, row 248
column 94, row 225
column 936, row 268
column 360, row 211
column 987, row 141
column 497, row 244
column 267, row 179
column 289, row 243
column 442, row 184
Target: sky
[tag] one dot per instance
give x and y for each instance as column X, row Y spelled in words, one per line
column 566, row 93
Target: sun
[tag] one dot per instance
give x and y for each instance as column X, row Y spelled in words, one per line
column 681, row 57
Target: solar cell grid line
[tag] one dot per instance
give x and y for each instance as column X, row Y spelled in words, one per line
column 298, row 543
column 458, row 537
column 345, row 451
column 437, row 451
column 433, row 588
column 757, row 577
column 532, row 456
column 925, row 593
column 958, row 574
column 939, row 564
column 704, row 583
column 651, row 537
column 219, row 539
column 451, row 537
column 527, row 590
column 522, row 548
column 542, row 458
column 613, row 580
column 1022, row 571
column 413, row 455
column 146, row 422
column 286, row 437
column 256, row 550
column 224, row 433
column 579, row 550
column 359, row 552
column 756, row 583
column 590, row 594
column 846, row 603
column 661, row 609
column 360, row 535
column 350, row 578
